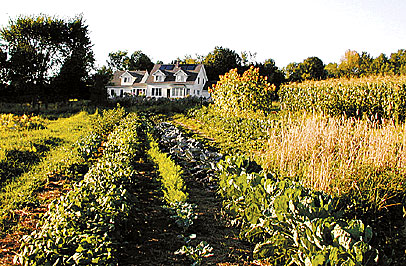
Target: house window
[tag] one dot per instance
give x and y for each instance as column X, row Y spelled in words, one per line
column 198, row 92
column 140, row 92
column 125, row 80
column 180, row 78
column 112, row 93
column 198, row 80
column 178, row 92
column 158, row 78
column 156, row 92
column 187, row 91
column 121, row 93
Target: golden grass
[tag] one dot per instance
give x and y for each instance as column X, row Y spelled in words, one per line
column 337, row 155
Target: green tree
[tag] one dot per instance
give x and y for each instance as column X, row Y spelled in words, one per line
column 332, row 70
column 292, row 72
column 98, row 92
column 140, row 61
column 38, row 48
column 272, row 72
column 398, row 62
column 118, row 60
column 365, row 62
column 220, row 61
column 380, row 65
column 312, row 68
column 350, row 64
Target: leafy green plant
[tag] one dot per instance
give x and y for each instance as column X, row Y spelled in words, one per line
column 82, row 226
column 289, row 223
column 197, row 253
column 183, row 212
column 376, row 96
column 169, row 172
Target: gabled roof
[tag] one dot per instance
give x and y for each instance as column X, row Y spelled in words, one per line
column 191, row 70
column 138, row 75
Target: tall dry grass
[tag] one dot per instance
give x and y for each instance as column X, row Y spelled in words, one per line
column 340, row 155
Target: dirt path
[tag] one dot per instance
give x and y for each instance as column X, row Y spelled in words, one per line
column 211, row 225
column 152, row 238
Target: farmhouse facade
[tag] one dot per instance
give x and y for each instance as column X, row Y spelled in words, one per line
column 165, row 80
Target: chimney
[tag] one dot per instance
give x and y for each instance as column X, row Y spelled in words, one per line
column 177, row 64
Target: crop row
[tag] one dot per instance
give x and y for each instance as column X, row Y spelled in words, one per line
column 86, row 225
column 372, row 96
column 171, row 177
column 69, row 161
column 288, row 224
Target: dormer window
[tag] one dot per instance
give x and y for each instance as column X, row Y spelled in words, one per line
column 180, row 78
column 159, row 78
column 126, row 79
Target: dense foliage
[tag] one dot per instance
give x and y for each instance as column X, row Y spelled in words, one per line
column 45, row 59
column 137, row 61
column 242, row 95
column 291, row 224
column 82, row 226
column 376, row 96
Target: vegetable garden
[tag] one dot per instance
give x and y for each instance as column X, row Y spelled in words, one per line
column 294, row 187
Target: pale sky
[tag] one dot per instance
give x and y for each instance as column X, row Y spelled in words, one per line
column 285, row 30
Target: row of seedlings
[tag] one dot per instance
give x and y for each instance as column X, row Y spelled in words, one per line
column 174, row 191
column 85, row 226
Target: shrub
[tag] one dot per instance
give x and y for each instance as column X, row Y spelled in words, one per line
column 240, row 95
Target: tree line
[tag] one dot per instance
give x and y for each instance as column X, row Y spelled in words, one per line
column 48, row 59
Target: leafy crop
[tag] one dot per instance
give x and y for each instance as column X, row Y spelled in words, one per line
column 170, row 174
column 83, row 226
column 288, row 223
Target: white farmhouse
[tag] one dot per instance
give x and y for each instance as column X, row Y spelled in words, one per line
column 170, row 81
column 128, row 83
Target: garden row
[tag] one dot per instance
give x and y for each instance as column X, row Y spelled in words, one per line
column 287, row 222
column 175, row 195
column 68, row 162
column 85, row 226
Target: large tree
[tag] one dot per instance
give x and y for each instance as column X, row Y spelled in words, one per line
column 272, row 72
column 312, row 68
column 350, row 64
column 332, row 70
column 100, row 79
column 118, row 60
column 292, row 72
column 220, row 61
column 38, row 48
column 140, row 61
column 398, row 62
column 121, row 61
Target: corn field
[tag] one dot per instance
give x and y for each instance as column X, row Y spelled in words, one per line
column 376, row 96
